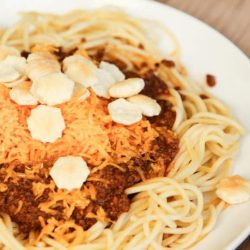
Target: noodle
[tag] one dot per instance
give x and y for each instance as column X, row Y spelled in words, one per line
column 167, row 212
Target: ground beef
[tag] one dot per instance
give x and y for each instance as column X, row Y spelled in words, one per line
column 211, row 80
column 203, row 96
column 79, row 215
column 133, row 176
column 167, row 116
column 110, row 196
column 131, row 74
column 61, row 53
column 168, row 63
column 98, row 56
column 167, row 147
column 25, row 53
column 27, row 217
column 154, row 86
column 114, row 202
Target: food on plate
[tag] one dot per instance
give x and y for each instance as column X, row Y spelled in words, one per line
column 106, row 143
column 234, row 189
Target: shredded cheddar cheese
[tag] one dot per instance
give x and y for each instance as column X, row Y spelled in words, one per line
column 20, row 204
column 89, row 133
column 38, row 188
column 61, row 234
column 100, row 215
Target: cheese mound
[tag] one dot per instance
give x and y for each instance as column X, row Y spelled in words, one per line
column 90, row 133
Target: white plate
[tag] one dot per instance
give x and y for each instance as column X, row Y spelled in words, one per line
column 203, row 50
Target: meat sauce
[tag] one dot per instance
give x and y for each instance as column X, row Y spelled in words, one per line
column 168, row 63
column 211, row 80
column 28, row 216
column 110, row 194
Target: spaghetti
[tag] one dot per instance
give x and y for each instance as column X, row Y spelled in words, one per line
column 172, row 212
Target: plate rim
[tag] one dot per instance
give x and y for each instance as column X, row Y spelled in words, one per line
column 237, row 240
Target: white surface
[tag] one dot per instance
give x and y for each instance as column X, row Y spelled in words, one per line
column 203, row 50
